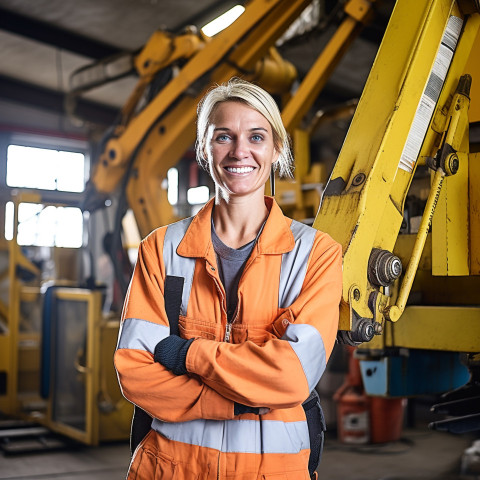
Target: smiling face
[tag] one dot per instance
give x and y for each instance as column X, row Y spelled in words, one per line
column 240, row 150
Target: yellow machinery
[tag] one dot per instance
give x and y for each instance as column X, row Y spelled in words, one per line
column 12, row 336
column 422, row 119
column 410, row 133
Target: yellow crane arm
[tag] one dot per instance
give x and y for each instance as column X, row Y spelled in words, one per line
column 153, row 140
column 400, row 120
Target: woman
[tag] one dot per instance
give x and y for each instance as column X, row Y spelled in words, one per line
column 258, row 316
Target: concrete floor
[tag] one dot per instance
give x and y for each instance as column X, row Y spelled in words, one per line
column 107, row 462
column 421, row 454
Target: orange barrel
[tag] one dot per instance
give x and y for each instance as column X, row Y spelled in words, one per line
column 386, row 419
column 353, row 416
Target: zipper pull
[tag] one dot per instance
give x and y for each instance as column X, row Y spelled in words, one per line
column 228, row 331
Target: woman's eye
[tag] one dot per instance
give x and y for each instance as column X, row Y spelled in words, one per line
column 222, row 138
column 257, row 138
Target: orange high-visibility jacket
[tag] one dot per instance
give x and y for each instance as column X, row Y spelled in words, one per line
column 281, row 338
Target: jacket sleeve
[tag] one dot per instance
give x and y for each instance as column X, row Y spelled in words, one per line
column 144, row 382
column 281, row 372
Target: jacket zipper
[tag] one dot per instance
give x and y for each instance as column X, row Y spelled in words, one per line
column 228, row 331
column 228, row 327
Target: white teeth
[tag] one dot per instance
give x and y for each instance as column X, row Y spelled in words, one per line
column 239, row 170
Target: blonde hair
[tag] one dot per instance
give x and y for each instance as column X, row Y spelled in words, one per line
column 238, row 90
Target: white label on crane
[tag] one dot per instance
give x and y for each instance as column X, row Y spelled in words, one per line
column 430, row 95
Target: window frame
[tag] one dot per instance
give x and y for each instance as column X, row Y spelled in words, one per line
column 48, row 197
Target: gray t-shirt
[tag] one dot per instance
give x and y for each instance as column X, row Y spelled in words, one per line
column 231, row 262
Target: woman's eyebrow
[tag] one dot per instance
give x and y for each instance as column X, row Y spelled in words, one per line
column 226, row 129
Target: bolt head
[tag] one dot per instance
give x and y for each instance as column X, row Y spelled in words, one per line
column 395, row 267
column 454, row 164
column 378, row 328
column 358, row 179
column 366, row 331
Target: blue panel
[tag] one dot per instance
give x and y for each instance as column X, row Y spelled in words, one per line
column 420, row 372
column 374, row 374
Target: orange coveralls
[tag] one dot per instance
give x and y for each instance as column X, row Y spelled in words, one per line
column 281, row 338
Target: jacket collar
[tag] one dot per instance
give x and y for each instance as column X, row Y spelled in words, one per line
column 276, row 237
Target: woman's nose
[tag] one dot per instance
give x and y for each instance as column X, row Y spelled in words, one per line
column 239, row 149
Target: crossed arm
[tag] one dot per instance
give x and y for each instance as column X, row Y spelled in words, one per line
column 178, row 380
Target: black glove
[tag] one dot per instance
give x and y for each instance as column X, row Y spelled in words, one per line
column 239, row 409
column 171, row 352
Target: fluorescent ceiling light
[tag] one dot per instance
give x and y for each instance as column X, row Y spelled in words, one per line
column 223, row 21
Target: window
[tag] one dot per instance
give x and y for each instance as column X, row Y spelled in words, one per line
column 31, row 167
column 46, row 169
column 172, row 182
column 43, row 226
column 198, row 195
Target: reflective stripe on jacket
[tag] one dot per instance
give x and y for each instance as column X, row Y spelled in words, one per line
column 282, row 335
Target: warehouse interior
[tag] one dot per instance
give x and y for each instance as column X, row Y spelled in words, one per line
column 97, row 149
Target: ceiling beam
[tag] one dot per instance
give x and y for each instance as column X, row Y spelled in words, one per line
column 14, row 90
column 55, row 36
